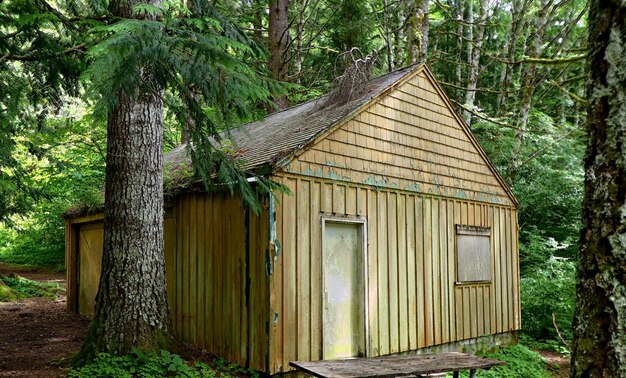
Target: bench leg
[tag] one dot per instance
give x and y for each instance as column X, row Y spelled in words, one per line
column 473, row 373
column 455, row 374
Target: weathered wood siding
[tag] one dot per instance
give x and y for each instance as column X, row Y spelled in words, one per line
column 413, row 300
column 208, row 255
column 413, row 170
column 409, row 140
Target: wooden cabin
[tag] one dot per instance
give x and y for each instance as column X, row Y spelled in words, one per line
column 399, row 235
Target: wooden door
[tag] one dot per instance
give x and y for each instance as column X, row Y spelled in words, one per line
column 343, row 313
column 90, row 242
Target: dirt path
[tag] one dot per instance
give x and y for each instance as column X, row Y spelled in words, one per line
column 35, row 333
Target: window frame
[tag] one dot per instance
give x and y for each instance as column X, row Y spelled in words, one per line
column 469, row 230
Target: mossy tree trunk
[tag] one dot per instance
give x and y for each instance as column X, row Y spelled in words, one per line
column 131, row 304
column 599, row 347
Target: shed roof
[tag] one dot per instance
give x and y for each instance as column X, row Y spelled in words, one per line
column 273, row 141
column 265, row 142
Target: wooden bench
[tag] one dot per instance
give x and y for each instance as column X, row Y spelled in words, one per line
column 419, row 366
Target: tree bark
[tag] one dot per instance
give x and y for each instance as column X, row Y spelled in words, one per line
column 278, row 42
column 418, row 33
column 474, row 61
column 131, row 304
column 599, row 346
column 529, row 71
column 506, row 76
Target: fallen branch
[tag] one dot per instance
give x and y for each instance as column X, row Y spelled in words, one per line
column 558, row 332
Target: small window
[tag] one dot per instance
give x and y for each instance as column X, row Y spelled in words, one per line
column 473, row 259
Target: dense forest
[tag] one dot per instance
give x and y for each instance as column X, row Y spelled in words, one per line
column 515, row 70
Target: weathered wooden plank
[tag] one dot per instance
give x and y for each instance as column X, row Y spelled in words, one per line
column 180, row 268
column 303, row 265
column 192, row 271
column 276, row 290
column 403, row 281
column 429, row 318
column 492, row 286
column 264, row 315
column 517, row 270
column 443, row 269
column 290, row 298
column 339, row 199
column 361, row 202
column 420, row 272
column 396, row 366
column 235, row 249
column 372, row 272
column 392, row 256
column 451, row 274
column 201, row 270
column 467, row 317
column 511, row 275
column 458, row 290
column 411, row 273
column 497, row 253
column 480, row 316
column 316, row 272
column 351, row 200
column 383, row 275
column 71, row 267
column 327, row 197
column 504, row 250
column 436, row 272
column 216, row 271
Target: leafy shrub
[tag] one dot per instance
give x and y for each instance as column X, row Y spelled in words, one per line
column 547, row 290
column 149, row 365
column 16, row 287
column 520, row 362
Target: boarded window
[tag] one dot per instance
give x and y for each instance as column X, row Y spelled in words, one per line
column 473, row 263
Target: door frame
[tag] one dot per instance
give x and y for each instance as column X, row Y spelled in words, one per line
column 362, row 223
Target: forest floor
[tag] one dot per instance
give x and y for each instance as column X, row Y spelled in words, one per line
column 561, row 362
column 37, row 333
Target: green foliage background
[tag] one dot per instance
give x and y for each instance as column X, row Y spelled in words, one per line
column 60, row 72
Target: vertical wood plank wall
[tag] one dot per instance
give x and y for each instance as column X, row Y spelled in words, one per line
column 213, row 305
column 413, row 299
column 206, row 266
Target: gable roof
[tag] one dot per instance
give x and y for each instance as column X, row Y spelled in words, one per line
column 282, row 136
column 265, row 142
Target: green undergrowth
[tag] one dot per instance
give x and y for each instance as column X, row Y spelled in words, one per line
column 520, row 362
column 35, row 247
column 163, row 364
column 16, row 287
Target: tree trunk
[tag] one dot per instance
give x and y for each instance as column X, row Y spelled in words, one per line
column 530, row 70
column 297, row 61
column 131, row 304
column 458, row 72
column 599, row 346
column 506, row 76
column 418, row 33
column 278, row 42
column 474, row 62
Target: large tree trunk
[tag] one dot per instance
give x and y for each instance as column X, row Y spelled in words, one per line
column 131, row 305
column 278, row 42
column 599, row 347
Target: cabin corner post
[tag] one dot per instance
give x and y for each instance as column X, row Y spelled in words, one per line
column 71, row 266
